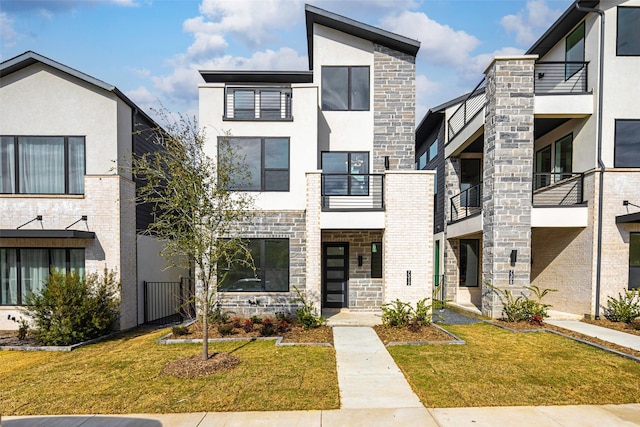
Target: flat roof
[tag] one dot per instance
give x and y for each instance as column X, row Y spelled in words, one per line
column 46, row 234
column 247, row 76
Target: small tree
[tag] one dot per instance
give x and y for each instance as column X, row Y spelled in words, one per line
column 194, row 212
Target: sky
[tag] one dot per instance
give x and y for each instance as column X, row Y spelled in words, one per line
column 152, row 49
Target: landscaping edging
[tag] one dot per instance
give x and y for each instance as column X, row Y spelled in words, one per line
column 54, row 347
column 456, row 340
column 278, row 341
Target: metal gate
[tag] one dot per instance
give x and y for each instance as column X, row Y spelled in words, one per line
column 168, row 302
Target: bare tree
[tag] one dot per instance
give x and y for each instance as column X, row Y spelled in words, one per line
column 194, row 211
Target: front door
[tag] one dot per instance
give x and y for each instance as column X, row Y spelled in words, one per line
column 335, row 275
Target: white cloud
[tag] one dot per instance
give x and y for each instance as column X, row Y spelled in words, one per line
column 472, row 73
column 141, row 72
column 7, row 32
column 530, row 22
column 440, row 44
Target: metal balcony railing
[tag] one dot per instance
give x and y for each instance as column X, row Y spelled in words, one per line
column 557, row 189
column 347, row 192
column 471, row 106
column 258, row 103
column 466, row 203
column 557, row 78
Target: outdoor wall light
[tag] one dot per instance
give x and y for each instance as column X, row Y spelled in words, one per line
column 514, row 257
column 359, row 260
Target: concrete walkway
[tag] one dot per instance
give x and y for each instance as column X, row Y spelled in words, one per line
column 367, row 375
column 605, row 334
column 521, row 416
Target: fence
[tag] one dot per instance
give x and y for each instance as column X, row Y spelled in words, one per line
column 168, row 302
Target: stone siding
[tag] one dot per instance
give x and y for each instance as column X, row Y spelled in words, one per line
column 394, row 100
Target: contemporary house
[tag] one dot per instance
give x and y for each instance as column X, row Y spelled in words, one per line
column 340, row 212
column 64, row 200
column 538, row 168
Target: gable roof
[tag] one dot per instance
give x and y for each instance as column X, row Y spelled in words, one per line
column 30, row 58
column 315, row 15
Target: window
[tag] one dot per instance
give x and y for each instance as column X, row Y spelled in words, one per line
column 345, row 88
column 574, row 51
column 345, row 173
column 422, row 161
column 470, row 178
column 25, row 270
column 271, row 274
column 265, row 161
column 627, row 144
column 554, row 165
column 634, row 260
column 469, row 262
column 42, row 164
column 433, row 150
column 376, row 260
column 628, row 37
column 258, row 103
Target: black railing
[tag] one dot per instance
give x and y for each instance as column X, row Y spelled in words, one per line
column 352, row 192
column 168, row 302
column 557, row 188
column 466, row 203
column 471, row 106
column 258, row 103
column 560, row 77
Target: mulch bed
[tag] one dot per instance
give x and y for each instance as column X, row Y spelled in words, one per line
column 618, row 326
column 10, row 339
column 519, row 326
column 196, row 366
column 292, row 334
column 426, row 334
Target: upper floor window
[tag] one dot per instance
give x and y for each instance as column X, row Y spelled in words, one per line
column 627, row 144
column 628, row 37
column 554, row 162
column 258, row 103
column 265, row 163
column 433, row 150
column 345, row 88
column 42, row 164
column 574, row 51
column 346, row 173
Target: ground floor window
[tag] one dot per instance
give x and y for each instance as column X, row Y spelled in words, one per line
column 469, row 262
column 25, row 270
column 634, row 261
column 376, row 260
column 270, row 272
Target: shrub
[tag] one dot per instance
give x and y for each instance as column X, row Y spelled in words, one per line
column 225, row 329
column 256, row 319
column 70, row 310
column 248, row 325
column 237, row 322
column 396, row 314
column 523, row 308
column 23, row 329
column 267, row 329
column 280, row 315
column 625, row 308
column 217, row 315
column 283, row 326
column 180, row 330
column 422, row 314
column 305, row 314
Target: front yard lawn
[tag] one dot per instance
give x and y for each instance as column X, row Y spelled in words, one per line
column 123, row 375
column 500, row 368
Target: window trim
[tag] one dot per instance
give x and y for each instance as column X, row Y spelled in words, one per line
column 615, row 145
column 349, row 84
column 16, row 154
column 568, row 71
column 262, row 268
column 263, row 169
column 618, row 31
column 67, row 254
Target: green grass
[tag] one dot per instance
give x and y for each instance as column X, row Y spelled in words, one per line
column 122, row 375
column 501, row 368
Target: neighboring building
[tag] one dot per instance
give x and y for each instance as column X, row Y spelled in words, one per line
column 64, row 201
column 341, row 212
column 539, row 168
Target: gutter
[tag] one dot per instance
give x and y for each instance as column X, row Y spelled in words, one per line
column 601, row 165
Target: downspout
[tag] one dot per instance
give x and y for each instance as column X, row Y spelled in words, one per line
column 601, row 165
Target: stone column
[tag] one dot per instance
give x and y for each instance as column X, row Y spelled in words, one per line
column 450, row 249
column 508, row 175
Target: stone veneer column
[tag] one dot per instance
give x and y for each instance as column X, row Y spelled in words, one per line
column 508, row 175
column 408, row 235
column 394, row 101
column 313, row 235
column 450, row 250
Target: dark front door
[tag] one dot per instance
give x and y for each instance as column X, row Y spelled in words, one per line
column 335, row 275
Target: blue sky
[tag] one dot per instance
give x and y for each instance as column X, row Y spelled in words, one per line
column 151, row 49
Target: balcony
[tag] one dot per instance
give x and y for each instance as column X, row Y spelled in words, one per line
column 472, row 105
column 560, row 78
column 557, row 189
column 251, row 103
column 466, row 203
column 348, row 192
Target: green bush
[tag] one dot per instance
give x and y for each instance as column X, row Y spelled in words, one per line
column 179, row 330
column 305, row 314
column 225, row 329
column 523, row 308
column 70, row 310
column 400, row 314
column 625, row 308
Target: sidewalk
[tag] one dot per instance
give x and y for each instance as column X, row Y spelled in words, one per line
column 605, row 334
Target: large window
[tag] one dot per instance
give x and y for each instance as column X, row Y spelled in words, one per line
column 264, row 163
column 628, row 37
column 271, row 273
column 258, row 103
column 42, row 164
column 554, row 162
column 345, row 88
column 469, row 262
column 345, row 173
column 574, row 51
column 634, row 261
column 627, row 144
column 25, row 270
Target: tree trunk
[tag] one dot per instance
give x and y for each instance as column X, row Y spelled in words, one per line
column 205, row 324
